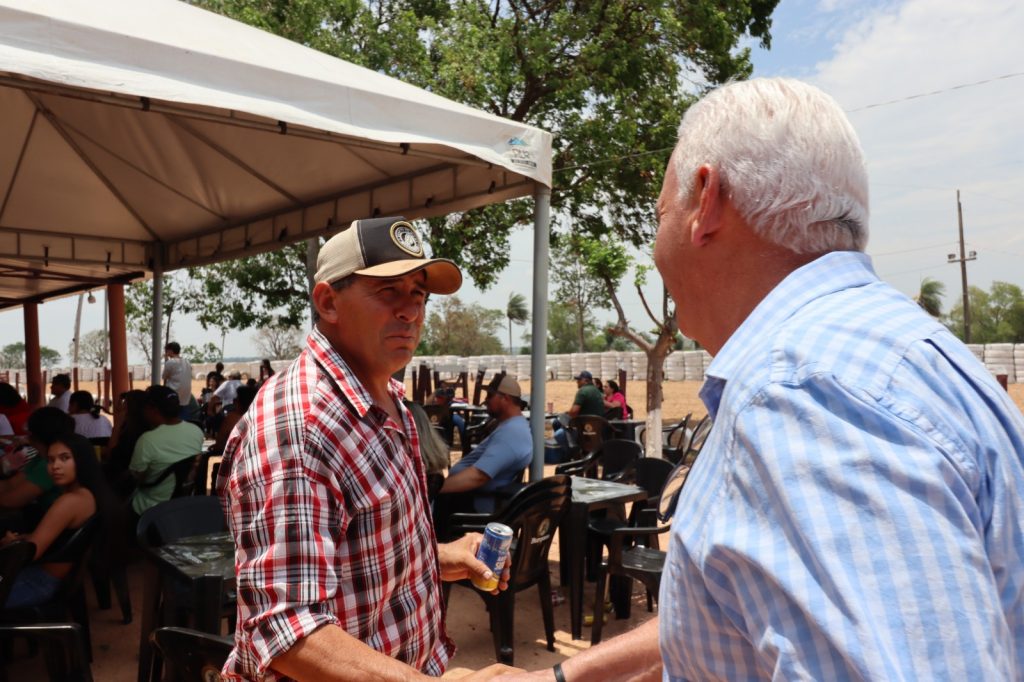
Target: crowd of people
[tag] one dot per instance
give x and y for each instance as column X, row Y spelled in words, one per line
column 857, row 512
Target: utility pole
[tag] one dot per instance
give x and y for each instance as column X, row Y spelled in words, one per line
column 962, row 260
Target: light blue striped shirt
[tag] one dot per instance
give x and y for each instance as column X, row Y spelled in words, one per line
column 857, row 510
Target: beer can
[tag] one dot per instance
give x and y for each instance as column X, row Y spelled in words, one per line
column 493, row 552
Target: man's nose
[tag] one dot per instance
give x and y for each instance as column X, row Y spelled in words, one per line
column 409, row 309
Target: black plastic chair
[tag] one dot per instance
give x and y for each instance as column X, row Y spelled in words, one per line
column 533, row 514
column 590, row 431
column 184, row 472
column 630, row 554
column 676, row 441
column 697, row 439
column 63, row 646
column 13, row 558
column 190, row 655
column 180, row 518
column 70, row 597
column 617, row 460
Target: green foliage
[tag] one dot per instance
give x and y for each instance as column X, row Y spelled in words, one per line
column 564, row 330
column 456, row 328
column 583, row 269
column 997, row 316
column 208, row 352
column 929, row 297
column 516, row 311
column 266, row 289
column 12, row 356
column 607, row 78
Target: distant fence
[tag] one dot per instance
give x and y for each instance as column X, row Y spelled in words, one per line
column 685, row 365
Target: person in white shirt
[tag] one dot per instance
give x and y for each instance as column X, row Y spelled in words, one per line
column 86, row 413
column 60, row 388
column 177, row 376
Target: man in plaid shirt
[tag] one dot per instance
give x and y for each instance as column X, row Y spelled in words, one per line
column 339, row 573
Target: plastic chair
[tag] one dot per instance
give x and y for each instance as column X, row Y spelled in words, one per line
column 635, row 561
column 697, row 439
column 180, row 518
column 533, row 514
column 13, row 558
column 617, row 460
column 63, row 646
column 184, row 472
column 590, row 431
column 675, row 441
column 70, row 597
column 190, row 655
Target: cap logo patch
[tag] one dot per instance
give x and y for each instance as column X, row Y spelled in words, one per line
column 406, row 239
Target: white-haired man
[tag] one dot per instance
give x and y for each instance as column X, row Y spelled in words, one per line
column 857, row 511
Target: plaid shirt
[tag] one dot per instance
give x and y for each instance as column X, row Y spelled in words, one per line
column 326, row 499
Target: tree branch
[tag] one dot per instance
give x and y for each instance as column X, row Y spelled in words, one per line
column 660, row 324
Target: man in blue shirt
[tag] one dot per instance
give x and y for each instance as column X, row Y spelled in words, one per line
column 857, row 511
column 501, row 457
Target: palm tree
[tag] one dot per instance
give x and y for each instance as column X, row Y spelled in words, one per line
column 930, row 296
column 517, row 312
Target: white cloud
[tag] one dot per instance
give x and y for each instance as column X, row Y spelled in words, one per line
column 921, row 150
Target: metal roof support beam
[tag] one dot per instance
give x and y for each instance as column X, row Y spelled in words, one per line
column 158, row 314
column 539, row 352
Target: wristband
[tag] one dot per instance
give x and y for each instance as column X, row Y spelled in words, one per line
column 559, row 675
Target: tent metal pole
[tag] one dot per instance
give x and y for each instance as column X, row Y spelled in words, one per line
column 158, row 314
column 539, row 350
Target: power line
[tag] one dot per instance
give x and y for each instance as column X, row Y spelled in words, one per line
column 919, row 248
column 876, row 105
column 920, row 95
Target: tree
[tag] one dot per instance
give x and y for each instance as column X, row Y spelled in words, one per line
column 278, row 342
column 12, row 356
column 997, row 316
column 457, row 328
column 578, row 286
column 138, row 312
column 93, row 348
column 516, row 311
column 929, row 297
column 563, row 331
column 608, row 78
column 208, row 352
column 608, row 261
column 48, row 357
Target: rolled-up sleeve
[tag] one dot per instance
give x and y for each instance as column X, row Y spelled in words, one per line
column 286, row 529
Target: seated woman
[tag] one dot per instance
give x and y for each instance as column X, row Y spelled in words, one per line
column 131, row 421
column 88, row 420
column 614, row 401
column 71, row 463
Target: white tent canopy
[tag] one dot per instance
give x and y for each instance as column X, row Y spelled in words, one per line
column 148, row 135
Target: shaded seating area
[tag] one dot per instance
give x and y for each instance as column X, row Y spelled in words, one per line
column 533, row 514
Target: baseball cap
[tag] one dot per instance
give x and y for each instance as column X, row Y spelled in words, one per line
column 510, row 387
column 583, row 375
column 384, row 247
column 162, row 398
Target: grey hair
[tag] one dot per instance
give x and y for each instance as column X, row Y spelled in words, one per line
column 788, row 159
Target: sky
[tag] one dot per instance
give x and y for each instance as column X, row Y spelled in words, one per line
column 881, row 61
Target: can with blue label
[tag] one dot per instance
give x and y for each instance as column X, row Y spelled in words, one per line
column 493, row 552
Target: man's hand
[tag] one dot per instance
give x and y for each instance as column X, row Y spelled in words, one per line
column 498, row 670
column 458, row 561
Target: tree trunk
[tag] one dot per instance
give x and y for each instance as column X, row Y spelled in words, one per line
column 655, row 396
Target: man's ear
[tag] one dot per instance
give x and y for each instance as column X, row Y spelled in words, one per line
column 708, row 218
column 323, row 301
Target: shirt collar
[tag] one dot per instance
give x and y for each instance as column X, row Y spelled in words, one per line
column 825, row 275
column 335, row 366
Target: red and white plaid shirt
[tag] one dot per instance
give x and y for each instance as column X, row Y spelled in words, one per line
column 326, row 498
